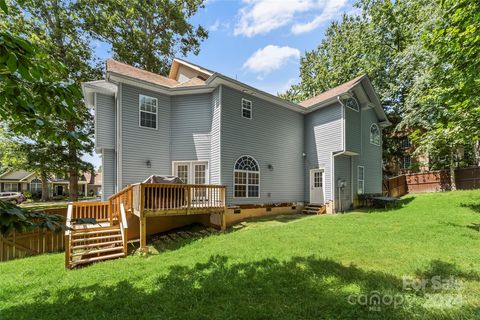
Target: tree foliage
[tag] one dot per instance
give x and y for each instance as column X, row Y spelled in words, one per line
column 423, row 60
column 14, row 218
column 147, row 33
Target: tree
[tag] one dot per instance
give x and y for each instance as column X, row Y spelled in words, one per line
column 146, row 33
column 383, row 42
column 56, row 26
column 41, row 158
column 29, row 83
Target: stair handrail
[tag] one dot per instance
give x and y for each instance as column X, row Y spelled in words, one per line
column 68, row 224
column 123, row 228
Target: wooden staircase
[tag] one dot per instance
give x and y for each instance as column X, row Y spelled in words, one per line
column 313, row 208
column 88, row 243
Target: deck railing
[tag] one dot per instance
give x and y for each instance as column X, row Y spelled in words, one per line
column 96, row 210
column 181, row 198
column 124, row 196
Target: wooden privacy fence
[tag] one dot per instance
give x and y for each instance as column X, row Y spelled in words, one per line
column 432, row 181
column 37, row 241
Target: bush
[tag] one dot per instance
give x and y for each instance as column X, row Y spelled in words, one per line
column 27, row 194
column 19, row 219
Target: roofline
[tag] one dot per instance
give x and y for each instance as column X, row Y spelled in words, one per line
column 196, row 67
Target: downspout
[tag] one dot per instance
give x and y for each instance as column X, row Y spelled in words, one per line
column 334, row 154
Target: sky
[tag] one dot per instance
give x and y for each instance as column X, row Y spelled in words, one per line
column 258, row 42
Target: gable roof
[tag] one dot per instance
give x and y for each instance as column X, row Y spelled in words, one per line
column 332, row 93
column 133, row 72
column 15, row 175
column 197, row 85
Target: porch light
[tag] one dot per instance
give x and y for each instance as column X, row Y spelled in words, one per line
column 149, row 164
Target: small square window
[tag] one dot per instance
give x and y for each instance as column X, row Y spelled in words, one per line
column 247, row 109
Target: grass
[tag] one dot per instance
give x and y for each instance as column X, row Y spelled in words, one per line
column 315, row 267
column 40, row 205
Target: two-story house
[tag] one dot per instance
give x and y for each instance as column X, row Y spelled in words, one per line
column 207, row 128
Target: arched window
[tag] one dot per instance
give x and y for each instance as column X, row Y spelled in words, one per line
column 246, row 178
column 35, row 185
column 352, row 104
column 374, row 134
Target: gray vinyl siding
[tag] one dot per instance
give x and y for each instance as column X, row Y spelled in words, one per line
column 370, row 158
column 323, row 135
column 104, row 121
column 353, row 129
column 215, row 149
column 190, row 127
column 108, row 173
column 139, row 144
column 343, row 172
column 273, row 136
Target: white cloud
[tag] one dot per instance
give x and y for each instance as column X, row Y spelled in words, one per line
column 214, row 27
column 263, row 16
column 331, row 9
column 270, row 58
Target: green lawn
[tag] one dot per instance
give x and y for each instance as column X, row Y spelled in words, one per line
column 307, row 268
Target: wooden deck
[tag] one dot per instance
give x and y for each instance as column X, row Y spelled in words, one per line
column 155, row 200
column 107, row 237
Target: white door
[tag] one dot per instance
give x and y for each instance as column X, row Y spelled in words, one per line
column 316, row 186
column 192, row 172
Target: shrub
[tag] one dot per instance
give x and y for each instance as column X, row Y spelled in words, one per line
column 27, row 194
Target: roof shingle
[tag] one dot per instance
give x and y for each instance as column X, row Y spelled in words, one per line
column 324, row 96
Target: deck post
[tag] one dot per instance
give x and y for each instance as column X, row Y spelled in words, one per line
column 189, row 199
column 224, row 211
column 143, row 222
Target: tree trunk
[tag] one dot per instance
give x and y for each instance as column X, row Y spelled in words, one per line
column 45, row 195
column 73, row 166
column 453, row 185
column 476, row 150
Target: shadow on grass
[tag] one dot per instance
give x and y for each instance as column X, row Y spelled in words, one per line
column 301, row 288
column 446, row 270
column 475, row 206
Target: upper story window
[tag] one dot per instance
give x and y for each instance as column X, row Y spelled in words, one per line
column 352, row 104
column 405, row 143
column 374, row 134
column 247, row 109
column 405, row 162
column 246, row 178
column 148, row 112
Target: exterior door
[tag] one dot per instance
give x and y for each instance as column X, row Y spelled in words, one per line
column 316, row 186
column 192, row 172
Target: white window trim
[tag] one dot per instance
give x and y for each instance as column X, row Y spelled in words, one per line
column 379, row 135
column 140, row 112
column 191, row 172
column 402, row 163
column 251, row 110
column 356, row 101
column 233, row 181
column 363, row 180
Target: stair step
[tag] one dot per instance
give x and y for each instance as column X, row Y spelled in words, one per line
column 96, row 238
column 100, row 244
column 83, row 253
column 88, row 260
column 84, row 233
column 314, row 205
column 310, row 211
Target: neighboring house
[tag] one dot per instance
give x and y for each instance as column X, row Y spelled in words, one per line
column 21, row 180
column 94, row 183
column 408, row 161
column 207, row 128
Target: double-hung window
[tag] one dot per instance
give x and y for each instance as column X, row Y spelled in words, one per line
column 148, row 112
column 247, row 109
